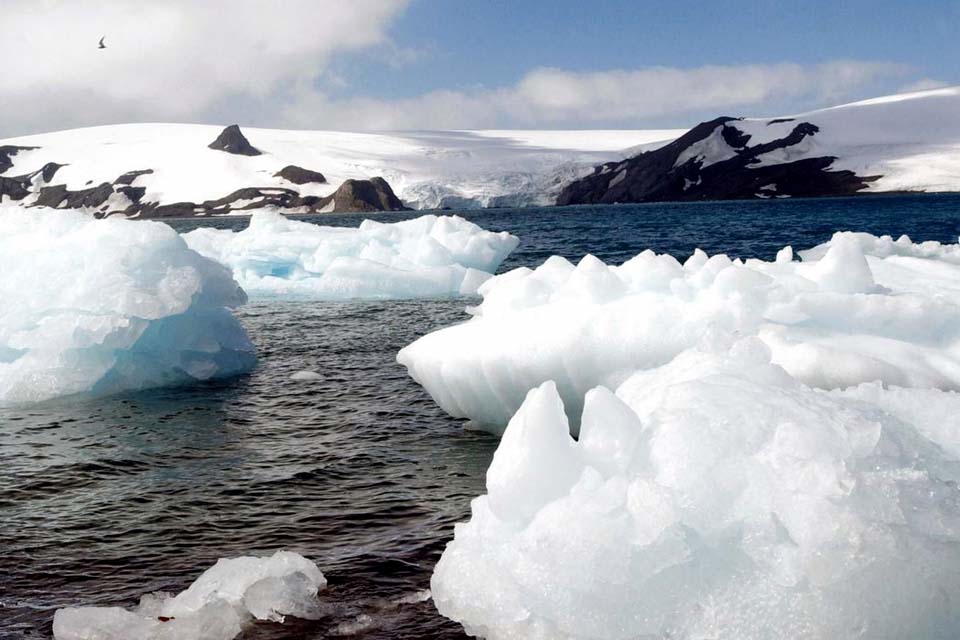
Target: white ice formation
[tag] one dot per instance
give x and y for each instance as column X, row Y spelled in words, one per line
column 429, row 256
column 855, row 309
column 716, row 497
column 217, row 606
column 100, row 306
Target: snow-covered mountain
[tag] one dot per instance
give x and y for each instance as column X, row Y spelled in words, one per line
column 107, row 168
column 905, row 142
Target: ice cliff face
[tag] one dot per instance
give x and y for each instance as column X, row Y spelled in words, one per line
column 907, row 142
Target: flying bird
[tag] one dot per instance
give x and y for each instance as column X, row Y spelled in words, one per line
column 102, row 46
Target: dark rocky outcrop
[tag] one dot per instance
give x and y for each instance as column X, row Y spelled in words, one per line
column 353, row 195
column 658, row 175
column 256, row 197
column 14, row 188
column 362, row 195
column 233, row 141
column 8, row 150
column 59, row 196
column 299, row 175
column 18, row 187
column 128, row 177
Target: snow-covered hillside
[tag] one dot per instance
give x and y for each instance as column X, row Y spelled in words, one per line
column 905, row 142
column 910, row 140
column 427, row 169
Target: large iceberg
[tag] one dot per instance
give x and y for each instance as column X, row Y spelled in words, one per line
column 716, row 497
column 100, row 306
column 429, row 256
column 217, row 606
column 856, row 309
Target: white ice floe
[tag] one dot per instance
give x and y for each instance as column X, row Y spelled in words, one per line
column 716, row 497
column 217, row 606
column 102, row 306
column 856, row 309
column 429, row 256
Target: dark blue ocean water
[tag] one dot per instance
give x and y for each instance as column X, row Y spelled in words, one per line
column 104, row 500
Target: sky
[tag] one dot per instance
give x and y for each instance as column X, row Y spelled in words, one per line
column 442, row 64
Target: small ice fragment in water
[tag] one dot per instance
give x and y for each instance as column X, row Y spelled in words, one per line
column 217, row 606
column 306, row 376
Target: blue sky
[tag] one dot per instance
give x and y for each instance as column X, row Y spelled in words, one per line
column 435, row 64
column 494, row 42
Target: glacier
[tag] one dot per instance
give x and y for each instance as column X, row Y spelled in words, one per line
column 429, row 256
column 427, row 169
column 224, row 600
column 102, row 306
column 715, row 497
column 856, row 309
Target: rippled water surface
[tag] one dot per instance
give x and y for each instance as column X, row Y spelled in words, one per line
column 102, row 500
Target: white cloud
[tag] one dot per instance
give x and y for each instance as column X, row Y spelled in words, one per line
column 170, row 60
column 269, row 64
column 555, row 97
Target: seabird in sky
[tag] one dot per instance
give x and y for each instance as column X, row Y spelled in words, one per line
column 102, row 46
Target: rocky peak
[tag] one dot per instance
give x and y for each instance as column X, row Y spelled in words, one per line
column 233, row 141
column 362, row 195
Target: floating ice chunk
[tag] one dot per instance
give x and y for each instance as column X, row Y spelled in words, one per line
column 306, row 376
column 424, row 257
column 223, row 600
column 858, row 309
column 715, row 497
column 101, row 306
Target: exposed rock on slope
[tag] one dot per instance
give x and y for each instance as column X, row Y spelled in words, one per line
column 299, row 175
column 426, row 169
column 362, row 195
column 233, row 141
column 8, row 150
column 906, row 142
column 124, row 196
column 715, row 161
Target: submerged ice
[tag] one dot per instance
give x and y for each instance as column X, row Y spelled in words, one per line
column 217, row 606
column 429, row 256
column 715, row 497
column 856, row 309
column 100, row 306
